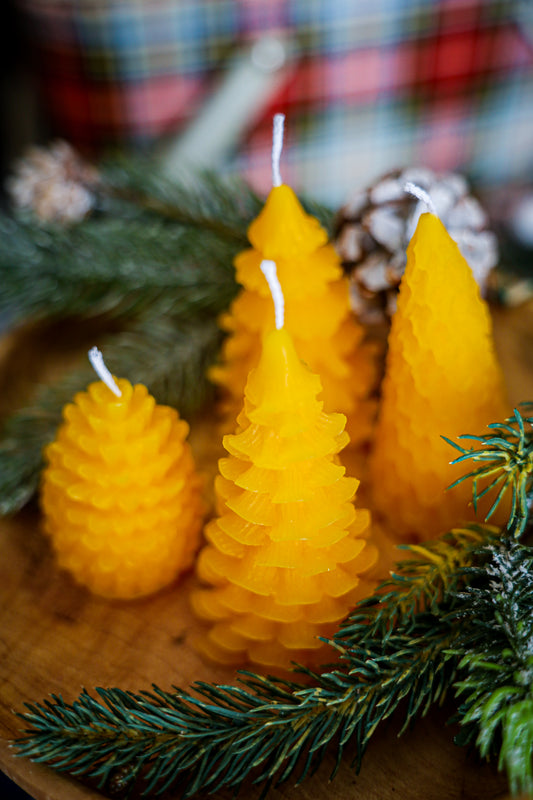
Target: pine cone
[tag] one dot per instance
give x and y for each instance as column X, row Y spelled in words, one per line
column 374, row 228
column 55, row 183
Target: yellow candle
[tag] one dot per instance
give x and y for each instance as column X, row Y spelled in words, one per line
column 120, row 495
column 442, row 379
column 287, row 554
column 318, row 317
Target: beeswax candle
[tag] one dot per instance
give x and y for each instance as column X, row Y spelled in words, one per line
column 287, row 554
column 317, row 312
column 120, row 494
column 442, row 379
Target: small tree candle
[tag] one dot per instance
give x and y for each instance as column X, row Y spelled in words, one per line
column 120, row 494
column 442, row 379
column 288, row 552
column 317, row 311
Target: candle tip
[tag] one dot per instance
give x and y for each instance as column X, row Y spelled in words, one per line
column 277, row 146
column 97, row 361
column 420, row 194
column 269, row 271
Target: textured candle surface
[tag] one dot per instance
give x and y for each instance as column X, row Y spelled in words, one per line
column 317, row 314
column 442, row 379
column 121, row 498
column 287, row 553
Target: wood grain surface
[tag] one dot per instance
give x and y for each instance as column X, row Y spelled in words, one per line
column 56, row 637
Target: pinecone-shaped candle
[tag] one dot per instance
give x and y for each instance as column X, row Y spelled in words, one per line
column 442, row 379
column 287, row 554
column 317, row 310
column 120, row 494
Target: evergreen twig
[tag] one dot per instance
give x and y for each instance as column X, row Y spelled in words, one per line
column 268, row 728
column 116, row 267
column 222, row 206
column 506, row 459
column 495, row 645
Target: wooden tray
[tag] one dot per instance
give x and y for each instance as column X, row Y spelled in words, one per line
column 56, row 637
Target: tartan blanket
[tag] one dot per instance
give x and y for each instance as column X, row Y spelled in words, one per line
column 373, row 84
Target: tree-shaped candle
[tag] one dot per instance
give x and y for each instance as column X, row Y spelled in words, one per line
column 317, row 311
column 287, row 554
column 442, row 379
column 120, row 494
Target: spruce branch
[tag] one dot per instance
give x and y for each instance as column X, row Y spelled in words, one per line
column 170, row 357
column 506, row 462
column 206, row 200
column 420, row 583
column 268, row 729
column 495, row 645
column 117, row 267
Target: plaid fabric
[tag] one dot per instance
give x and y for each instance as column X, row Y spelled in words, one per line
column 376, row 83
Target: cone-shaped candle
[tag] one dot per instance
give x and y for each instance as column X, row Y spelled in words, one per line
column 287, row 553
column 121, row 498
column 442, row 379
column 317, row 313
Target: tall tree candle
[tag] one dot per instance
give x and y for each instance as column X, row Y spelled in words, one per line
column 288, row 552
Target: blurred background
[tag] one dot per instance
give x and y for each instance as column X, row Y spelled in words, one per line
column 367, row 85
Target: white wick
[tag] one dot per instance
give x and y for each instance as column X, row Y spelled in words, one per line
column 97, row 360
column 269, row 271
column 277, row 147
column 420, row 194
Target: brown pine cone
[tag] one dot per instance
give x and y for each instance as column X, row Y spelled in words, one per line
column 374, row 228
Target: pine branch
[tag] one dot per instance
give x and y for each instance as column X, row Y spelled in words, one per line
column 266, row 728
column 175, row 377
column 117, row 267
column 223, row 206
column 418, row 584
column 506, row 458
column 496, row 649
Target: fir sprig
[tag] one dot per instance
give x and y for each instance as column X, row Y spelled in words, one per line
column 206, row 200
column 115, row 267
column 506, row 466
column 420, row 583
column 496, row 649
column 170, row 357
column 267, row 728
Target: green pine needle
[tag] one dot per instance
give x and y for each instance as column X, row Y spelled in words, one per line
column 117, row 267
column 506, row 462
column 496, row 650
column 206, row 201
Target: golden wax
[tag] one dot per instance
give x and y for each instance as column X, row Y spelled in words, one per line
column 442, row 379
column 120, row 494
column 317, row 314
column 287, row 555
